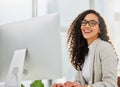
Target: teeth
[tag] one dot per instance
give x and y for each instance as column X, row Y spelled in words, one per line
column 87, row 31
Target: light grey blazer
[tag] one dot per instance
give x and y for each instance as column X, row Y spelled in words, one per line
column 104, row 67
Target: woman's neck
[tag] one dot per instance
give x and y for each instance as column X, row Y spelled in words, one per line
column 89, row 41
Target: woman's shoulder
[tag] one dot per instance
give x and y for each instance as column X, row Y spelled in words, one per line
column 104, row 45
column 104, row 48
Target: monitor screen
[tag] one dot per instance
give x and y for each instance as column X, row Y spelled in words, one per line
column 41, row 37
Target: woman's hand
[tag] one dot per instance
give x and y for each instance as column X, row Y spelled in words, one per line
column 68, row 84
column 71, row 84
column 57, row 85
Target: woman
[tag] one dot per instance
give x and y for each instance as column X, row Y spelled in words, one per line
column 91, row 52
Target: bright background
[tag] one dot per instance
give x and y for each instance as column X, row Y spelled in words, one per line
column 16, row 10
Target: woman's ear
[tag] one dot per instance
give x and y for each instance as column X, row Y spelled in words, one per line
column 99, row 31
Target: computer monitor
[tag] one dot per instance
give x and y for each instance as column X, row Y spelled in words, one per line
column 41, row 37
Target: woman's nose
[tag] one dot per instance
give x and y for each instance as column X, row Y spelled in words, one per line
column 87, row 25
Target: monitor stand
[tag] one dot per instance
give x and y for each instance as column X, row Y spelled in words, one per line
column 15, row 72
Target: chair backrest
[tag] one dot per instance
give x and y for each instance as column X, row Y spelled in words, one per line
column 119, row 81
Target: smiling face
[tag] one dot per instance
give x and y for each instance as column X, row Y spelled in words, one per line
column 90, row 28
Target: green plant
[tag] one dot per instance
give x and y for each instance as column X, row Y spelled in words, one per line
column 22, row 85
column 37, row 83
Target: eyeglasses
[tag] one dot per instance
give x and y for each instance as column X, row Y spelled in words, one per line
column 91, row 23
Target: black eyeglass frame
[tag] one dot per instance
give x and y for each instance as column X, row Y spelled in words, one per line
column 91, row 23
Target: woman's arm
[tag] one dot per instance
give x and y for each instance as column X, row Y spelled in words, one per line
column 109, row 66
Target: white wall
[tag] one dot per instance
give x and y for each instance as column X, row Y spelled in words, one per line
column 14, row 10
column 69, row 9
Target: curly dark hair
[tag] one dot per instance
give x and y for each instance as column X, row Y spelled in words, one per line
column 78, row 46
